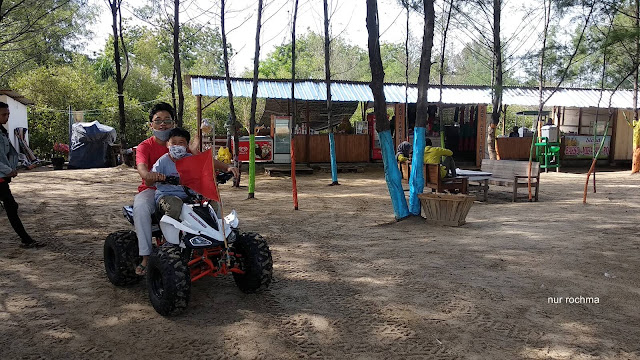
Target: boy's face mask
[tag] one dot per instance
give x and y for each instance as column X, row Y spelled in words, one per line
column 162, row 135
column 177, row 151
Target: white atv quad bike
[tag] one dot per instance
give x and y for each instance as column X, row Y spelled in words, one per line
column 187, row 250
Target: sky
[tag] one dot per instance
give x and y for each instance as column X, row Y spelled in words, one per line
column 348, row 20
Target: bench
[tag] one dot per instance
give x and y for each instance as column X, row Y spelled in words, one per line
column 433, row 180
column 512, row 173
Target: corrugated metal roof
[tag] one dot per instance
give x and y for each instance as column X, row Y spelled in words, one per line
column 395, row 93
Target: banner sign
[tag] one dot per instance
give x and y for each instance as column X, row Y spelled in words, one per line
column 581, row 147
column 264, row 149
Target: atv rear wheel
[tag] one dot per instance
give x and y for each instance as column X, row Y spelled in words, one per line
column 255, row 259
column 121, row 257
column 168, row 280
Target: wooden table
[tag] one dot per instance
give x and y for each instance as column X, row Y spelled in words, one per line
column 479, row 177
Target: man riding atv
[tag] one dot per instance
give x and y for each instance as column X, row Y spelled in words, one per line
column 148, row 152
column 192, row 240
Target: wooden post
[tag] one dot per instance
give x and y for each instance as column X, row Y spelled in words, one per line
column 612, row 141
column 481, row 133
column 400, row 129
column 579, row 120
column 199, row 123
column 504, row 120
column 308, row 142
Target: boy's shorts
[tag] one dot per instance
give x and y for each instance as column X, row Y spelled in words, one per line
column 171, row 206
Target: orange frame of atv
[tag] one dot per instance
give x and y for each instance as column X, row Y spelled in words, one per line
column 201, row 265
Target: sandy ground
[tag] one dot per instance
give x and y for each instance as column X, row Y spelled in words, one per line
column 349, row 282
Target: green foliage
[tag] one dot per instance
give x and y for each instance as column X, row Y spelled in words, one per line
column 47, row 127
column 394, row 61
column 55, row 88
column 471, row 66
column 143, row 85
column 565, row 30
column 56, row 78
column 61, row 86
column 40, row 32
column 348, row 62
column 618, row 40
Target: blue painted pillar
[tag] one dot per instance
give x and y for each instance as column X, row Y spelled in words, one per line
column 334, row 164
column 416, row 179
column 393, row 176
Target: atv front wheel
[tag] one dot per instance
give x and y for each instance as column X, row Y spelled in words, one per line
column 121, row 257
column 168, row 280
column 255, row 259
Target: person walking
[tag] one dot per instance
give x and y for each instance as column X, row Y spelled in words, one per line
column 8, row 166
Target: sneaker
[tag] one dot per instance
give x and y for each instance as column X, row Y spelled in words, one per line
column 32, row 244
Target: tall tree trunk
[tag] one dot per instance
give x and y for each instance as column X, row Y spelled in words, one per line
column 327, row 73
column 497, row 80
column 294, row 109
column 232, row 123
column 392, row 173
column 252, row 117
column 115, row 13
column 405, row 126
column 592, row 169
column 174, row 103
column 635, row 165
column 547, row 19
column 442, row 70
column 416, row 180
column 422, row 105
column 176, row 61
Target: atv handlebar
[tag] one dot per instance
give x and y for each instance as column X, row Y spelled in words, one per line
column 171, row 180
column 221, row 178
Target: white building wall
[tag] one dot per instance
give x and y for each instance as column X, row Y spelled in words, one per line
column 18, row 118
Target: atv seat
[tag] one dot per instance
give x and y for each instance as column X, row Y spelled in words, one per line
column 128, row 214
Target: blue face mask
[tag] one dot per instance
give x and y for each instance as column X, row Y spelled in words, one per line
column 177, row 151
column 162, row 135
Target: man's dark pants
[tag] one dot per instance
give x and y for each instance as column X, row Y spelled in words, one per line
column 11, row 207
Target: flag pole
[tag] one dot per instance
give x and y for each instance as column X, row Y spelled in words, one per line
column 215, row 183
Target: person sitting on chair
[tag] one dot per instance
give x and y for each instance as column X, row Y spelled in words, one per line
column 434, row 154
column 404, row 151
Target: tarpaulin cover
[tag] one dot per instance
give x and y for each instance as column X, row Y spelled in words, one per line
column 90, row 145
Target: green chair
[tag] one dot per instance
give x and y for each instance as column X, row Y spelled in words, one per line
column 548, row 154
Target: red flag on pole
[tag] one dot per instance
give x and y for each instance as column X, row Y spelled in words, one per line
column 196, row 172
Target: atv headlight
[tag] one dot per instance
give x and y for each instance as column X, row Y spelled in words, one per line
column 199, row 241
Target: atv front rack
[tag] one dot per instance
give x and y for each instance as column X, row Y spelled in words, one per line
column 204, row 261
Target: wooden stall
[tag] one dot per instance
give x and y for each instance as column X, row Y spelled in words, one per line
column 622, row 147
column 513, row 148
column 349, row 148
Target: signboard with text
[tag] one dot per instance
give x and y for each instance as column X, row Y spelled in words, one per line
column 581, row 147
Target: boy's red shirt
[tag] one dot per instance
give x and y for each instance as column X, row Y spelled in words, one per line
column 148, row 152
